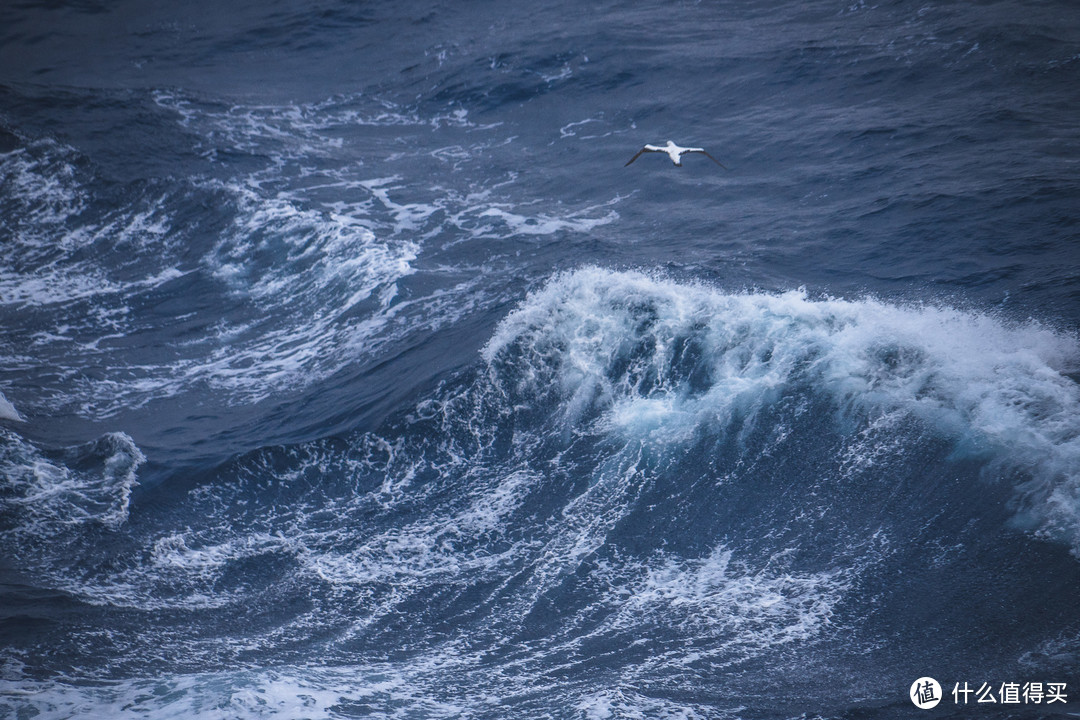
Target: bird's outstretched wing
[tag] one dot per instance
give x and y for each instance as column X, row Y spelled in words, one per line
column 639, row 154
column 712, row 158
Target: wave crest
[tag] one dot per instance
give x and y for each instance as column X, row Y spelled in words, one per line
column 92, row 482
column 650, row 360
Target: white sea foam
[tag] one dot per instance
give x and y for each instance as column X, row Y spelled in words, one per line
column 43, row 188
column 297, row 274
column 752, row 609
column 47, row 496
column 626, row 704
column 323, row 266
column 442, row 519
column 547, row 224
column 300, row 130
column 643, row 358
column 296, row 693
column 308, row 267
column 380, row 564
column 447, row 683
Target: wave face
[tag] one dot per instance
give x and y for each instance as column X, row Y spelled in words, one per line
column 662, row 365
column 646, row 485
column 347, row 372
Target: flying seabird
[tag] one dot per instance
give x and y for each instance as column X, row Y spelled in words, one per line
column 675, row 153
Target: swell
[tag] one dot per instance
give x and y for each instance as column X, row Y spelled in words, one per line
column 657, row 362
column 717, row 485
column 267, row 262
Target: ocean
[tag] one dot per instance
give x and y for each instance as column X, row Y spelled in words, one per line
column 348, row 371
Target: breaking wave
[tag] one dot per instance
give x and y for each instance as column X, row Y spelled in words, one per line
column 658, row 362
column 621, row 489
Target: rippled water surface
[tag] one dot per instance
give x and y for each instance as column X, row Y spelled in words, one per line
column 347, row 372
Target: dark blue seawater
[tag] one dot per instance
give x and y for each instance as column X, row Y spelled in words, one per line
column 347, row 372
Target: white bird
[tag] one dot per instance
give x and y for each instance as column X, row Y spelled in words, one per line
column 674, row 152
